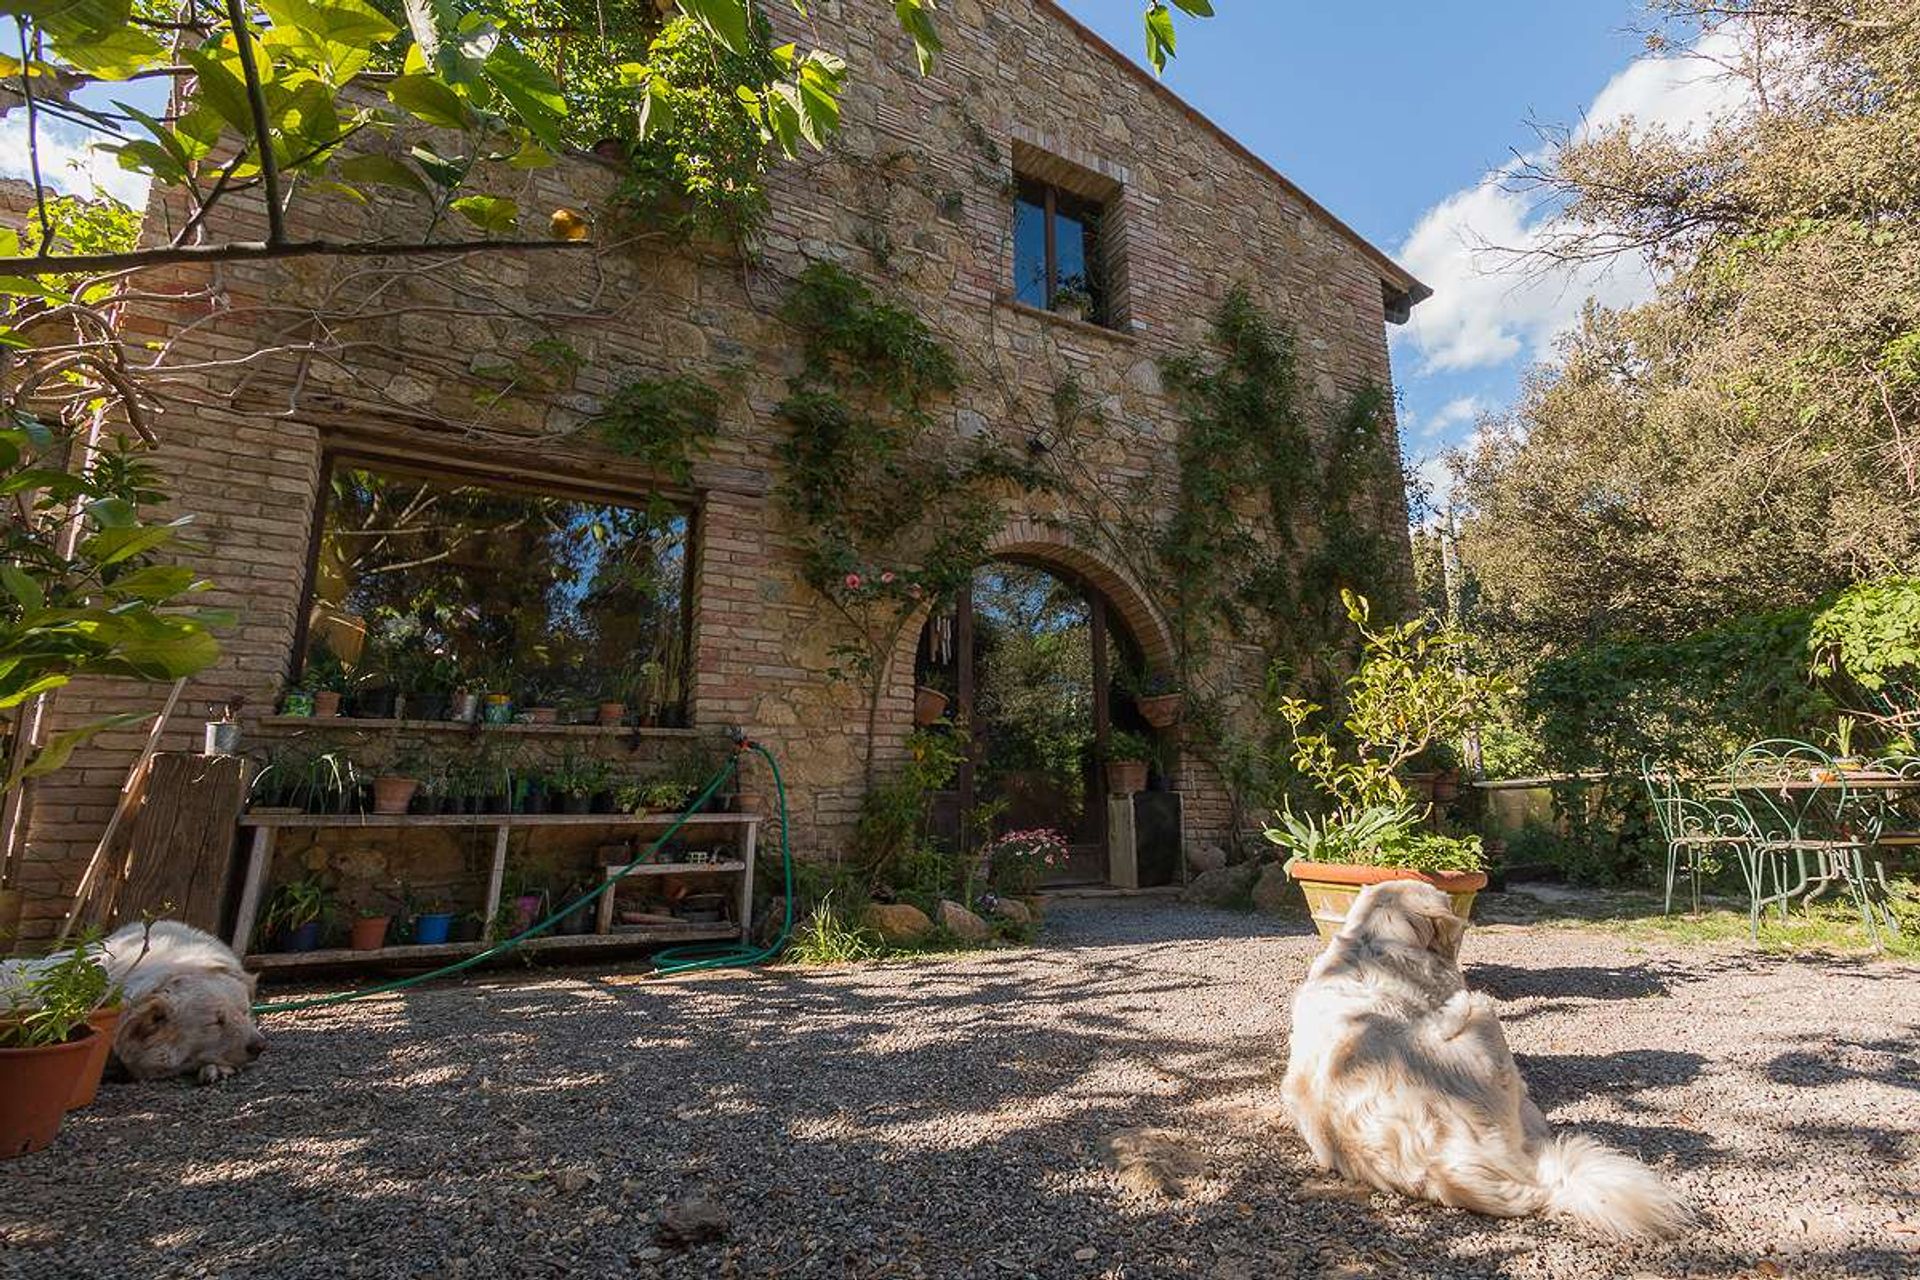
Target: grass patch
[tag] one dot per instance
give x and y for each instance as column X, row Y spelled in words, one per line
column 1826, row 927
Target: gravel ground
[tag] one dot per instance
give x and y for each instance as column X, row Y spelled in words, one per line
column 952, row 1119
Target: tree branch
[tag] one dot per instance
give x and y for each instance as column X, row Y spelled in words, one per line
column 260, row 250
column 262, row 122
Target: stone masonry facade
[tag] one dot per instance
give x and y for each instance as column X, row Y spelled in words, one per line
column 913, row 197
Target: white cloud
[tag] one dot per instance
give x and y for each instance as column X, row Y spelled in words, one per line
column 1461, row 409
column 67, row 162
column 1484, row 312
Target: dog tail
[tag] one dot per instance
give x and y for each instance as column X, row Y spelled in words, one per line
column 1610, row 1193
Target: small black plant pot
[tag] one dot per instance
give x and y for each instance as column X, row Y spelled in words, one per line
column 576, row 804
column 464, row 930
column 536, row 802
column 498, row 802
column 603, row 802
column 577, row 921
column 424, row 706
column 672, row 718
column 376, row 704
column 428, row 805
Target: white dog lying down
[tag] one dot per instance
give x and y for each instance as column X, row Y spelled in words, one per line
column 188, row 1003
column 1401, row 1078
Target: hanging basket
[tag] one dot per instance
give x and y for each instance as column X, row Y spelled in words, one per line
column 929, row 706
column 1162, row 711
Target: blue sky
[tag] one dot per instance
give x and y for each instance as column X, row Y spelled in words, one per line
column 1392, row 114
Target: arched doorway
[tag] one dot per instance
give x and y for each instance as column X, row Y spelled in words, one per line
column 1038, row 662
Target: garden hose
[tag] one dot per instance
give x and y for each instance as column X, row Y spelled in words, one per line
column 685, row 959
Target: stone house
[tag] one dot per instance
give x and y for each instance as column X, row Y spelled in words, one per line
column 1036, row 164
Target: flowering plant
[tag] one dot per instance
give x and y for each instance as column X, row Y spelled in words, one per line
column 1019, row 860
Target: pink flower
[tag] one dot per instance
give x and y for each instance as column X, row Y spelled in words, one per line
column 887, row 577
column 853, row 582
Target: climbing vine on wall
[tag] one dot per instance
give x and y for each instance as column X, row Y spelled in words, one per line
column 892, row 506
column 662, row 422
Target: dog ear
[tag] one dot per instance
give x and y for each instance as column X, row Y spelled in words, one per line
column 1442, row 928
column 146, row 1016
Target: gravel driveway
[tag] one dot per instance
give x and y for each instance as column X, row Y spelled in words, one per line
column 957, row 1119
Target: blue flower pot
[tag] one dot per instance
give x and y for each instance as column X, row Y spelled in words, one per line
column 304, row 938
column 431, row 929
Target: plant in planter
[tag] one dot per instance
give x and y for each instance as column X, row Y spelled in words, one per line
column 931, row 698
column 296, row 913
column 396, row 782
column 370, row 925
column 1411, row 689
column 1126, row 758
column 1072, row 299
column 297, row 702
column 47, row 1046
column 1158, row 697
column 326, row 677
column 1019, row 860
column 432, row 924
column 576, row 779
column 540, row 698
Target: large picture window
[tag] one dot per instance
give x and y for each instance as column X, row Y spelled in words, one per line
column 424, row 584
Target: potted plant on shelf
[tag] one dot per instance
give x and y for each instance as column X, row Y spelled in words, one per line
column 1411, row 689
column 931, row 699
column 575, row 781
column 1159, row 699
column 1072, row 300
column 540, row 699
column 48, row 1049
column 297, row 702
column 395, row 785
column 1126, row 759
column 369, row 930
column 296, row 912
column 433, row 925
column 467, row 928
column 326, row 676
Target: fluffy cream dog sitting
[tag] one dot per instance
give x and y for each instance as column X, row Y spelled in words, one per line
column 188, row 1003
column 1400, row 1078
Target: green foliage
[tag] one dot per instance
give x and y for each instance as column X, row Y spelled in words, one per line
column 891, row 835
column 46, row 1004
column 700, row 157
column 890, row 508
column 662, row 422
column 1019, row 861
column 297, row 903
column 83, row 591
column 1126, row 746
column 1870, row 634
column 831, row 934
column 1412, row 689
column 1695, row 700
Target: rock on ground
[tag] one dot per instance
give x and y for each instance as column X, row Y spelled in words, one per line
column 946, row 1120
column 1206, row 857
column 898, row 922
column 1225, row 887
column 962, row 923
column 1274, row 894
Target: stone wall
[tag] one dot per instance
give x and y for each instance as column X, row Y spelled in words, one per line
column 912, row 197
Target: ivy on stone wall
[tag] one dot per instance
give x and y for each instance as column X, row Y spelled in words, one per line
column 662, row 422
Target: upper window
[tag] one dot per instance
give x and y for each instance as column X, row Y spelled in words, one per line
column 424, row 584
column 1058, row 252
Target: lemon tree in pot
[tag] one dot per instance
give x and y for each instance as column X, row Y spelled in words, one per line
column 1413, row 687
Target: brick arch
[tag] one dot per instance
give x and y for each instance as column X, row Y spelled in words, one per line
column 1049, row 548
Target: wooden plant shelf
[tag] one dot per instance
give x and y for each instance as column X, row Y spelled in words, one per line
column 265, row 828
column 626, row 936
column 368, row 724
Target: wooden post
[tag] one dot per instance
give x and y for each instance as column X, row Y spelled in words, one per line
column 259, row 860
column 749, row 845
column 1102, row 721
column 495, row 879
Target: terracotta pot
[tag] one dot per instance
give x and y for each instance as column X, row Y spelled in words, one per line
column 1162, row 711
column 35, row 1088
column 105, row 1022
column 1330, row 888
column 543, row 715
column 369, row 933
column 393, row 793
column 1446, row 786
column 1124, row 777
column 612, row 713
column 326, row 703
column 929, row 705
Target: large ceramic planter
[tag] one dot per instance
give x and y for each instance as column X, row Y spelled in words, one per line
column 929, row 705
column 35, row 1087
column 1331, row 888
column 1162, row 711
column 105, row 1023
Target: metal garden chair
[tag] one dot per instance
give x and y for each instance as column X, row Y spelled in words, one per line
column 1810, row 830
column 1697, row 826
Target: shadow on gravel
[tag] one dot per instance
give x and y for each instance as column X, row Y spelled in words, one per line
column 1893, row 1061
column 1589, row 982
column 1557, row 1079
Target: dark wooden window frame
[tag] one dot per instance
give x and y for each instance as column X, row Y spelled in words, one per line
column 1050, row 194
column 496, row 478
